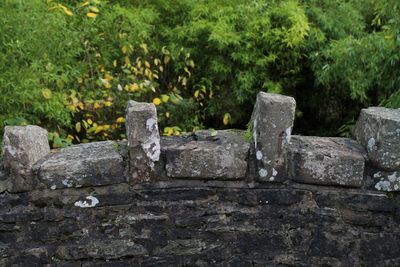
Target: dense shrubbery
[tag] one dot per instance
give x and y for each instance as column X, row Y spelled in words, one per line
column 71, row 66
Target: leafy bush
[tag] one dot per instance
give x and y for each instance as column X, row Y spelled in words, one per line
column 71, row 66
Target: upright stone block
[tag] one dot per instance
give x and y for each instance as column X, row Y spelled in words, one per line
column 325, row 161
column 272, row 122
column 143, row 140
column 378, row 130
column 22, row 147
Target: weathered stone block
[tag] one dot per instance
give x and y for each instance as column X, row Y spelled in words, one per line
column 326, row 161
column 272, row 123
column 208, row 155
column 22, row 147
column 93, row 164
column 378, row 130
column 143, row 140
column 112, row 249
column 388, row 181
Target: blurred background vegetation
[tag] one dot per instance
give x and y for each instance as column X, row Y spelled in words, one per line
column 70, row 66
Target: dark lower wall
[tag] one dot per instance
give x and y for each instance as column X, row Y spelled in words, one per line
column 199, row 223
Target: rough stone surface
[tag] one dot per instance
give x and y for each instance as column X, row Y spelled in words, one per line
column 272, row 123
column 267, row 225
column 326, row 161
column 143, row 140
column 22, row 147
column 387, row 181
column 218, row 215
column 378, row 130
column 93, row 164
column 208, row 155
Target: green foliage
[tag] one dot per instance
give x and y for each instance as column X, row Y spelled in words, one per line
column 71, row 66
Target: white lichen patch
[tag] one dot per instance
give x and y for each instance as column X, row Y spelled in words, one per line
column 150, row 124
column 67, row 183
column 274, row 172
column 389, row 182
column 263, row 173
column 371, row 144
column 53, row 187
column 383, row 186
column 271, row 178
column 255, row 133
column 152, row 148
column 288, row 133
column 259, row 155
column 393, row 177
column 93, row 201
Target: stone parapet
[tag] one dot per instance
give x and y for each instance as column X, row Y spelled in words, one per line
column 209, row 198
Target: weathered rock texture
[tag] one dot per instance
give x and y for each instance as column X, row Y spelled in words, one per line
column 22, row 147
column 194, row 200
column 326, row 160
column 143, row 140
column 209, row 224
column 378, row 129
column 93, row 164
column 388, row 181
column 209, row 155
column 272, row 122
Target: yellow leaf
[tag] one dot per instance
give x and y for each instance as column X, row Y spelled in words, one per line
column 107, row 103
column 89, row 121
column 168, row 131
column 107, row 85
column 84, row 4
column 80, row 105
column 164, row 98
column 133, row 87
column 108, row 77
column 196, row 93
column 166, row 60
column 91, row 15
column 94, row 9
column 144, row 47
column 124, row 49
column 47, row 93
column 147, row 64
column 78, row 127
column 115, row 63
column 226, row 119
column 167, row 114
column 70, row 137
column 121, row 120
column 96, row 106
column 66, row 10
column 106, row 127
column 127, row 61
column 156, row 101
column 99, row 129
column 187, row 71
column 184, row 81
column 148, row 74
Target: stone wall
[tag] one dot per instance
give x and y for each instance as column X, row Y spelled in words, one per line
column 209, row 198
